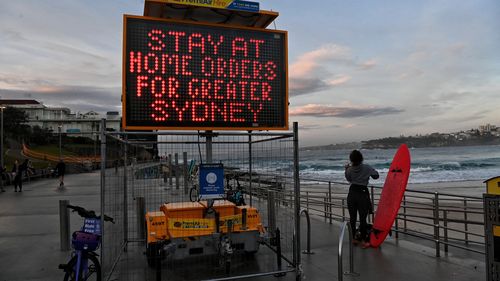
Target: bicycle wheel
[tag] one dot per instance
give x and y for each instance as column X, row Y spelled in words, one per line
column 193, row 194
column 93, row 270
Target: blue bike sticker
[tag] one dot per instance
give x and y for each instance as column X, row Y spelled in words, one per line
column 211, row 181
column 92, row 225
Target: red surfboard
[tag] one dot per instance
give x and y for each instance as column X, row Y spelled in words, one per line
column 390, row 198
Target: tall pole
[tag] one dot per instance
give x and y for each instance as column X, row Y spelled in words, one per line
column 59, row 129
column 297, row 198
column 1, row 147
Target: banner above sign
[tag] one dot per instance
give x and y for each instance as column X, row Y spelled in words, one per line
column 239, row 5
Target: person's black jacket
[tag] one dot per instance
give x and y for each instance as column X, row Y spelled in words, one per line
column 61, row 168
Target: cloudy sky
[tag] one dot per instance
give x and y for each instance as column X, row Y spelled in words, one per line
column 358, row 69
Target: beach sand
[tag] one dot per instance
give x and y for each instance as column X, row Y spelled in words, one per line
column 460, row 188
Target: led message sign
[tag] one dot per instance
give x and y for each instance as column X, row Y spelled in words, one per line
column 180, row 75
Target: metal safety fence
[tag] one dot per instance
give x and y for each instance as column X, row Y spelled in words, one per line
column 442, row 220
column 162, row 231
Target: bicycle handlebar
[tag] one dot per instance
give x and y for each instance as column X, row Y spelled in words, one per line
column 89, row 214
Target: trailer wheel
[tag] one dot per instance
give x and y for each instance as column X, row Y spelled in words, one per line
column 152, row 254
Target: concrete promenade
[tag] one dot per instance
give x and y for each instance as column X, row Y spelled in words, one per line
column 30, row 249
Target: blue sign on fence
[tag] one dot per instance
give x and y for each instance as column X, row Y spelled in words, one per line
column 211, row 181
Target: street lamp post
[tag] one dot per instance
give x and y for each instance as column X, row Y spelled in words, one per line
column 1, row 147
column 59, row 129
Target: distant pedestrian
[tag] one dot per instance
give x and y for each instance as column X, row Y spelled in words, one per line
column 14, row 173
column 61, row 170
column 4, row 177
column 358, row 199
column 17, row 172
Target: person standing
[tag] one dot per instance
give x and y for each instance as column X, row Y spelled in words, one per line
column 358, row 199
column 17, row 176
column 61, row 170
column 21, row 170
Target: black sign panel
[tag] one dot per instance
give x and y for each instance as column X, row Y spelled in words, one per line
column 180, row 75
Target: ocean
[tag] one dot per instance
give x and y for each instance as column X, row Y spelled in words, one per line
column 428, row 165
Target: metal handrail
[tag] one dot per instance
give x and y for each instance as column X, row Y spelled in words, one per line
column 308, row 251
column 351, row 253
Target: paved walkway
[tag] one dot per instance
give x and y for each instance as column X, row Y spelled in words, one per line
column 29, row 242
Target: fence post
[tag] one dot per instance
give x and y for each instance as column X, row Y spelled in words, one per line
column 125, row 191
column 436, row 223
column 103, row 190
column 271, row 212
column 330, row 199
column 64, row 224
column 278, row 249
column 185, row 169
column 177, row 171
column 170, row 169
column 261, row 193
column 296, row 180
column 140, row 204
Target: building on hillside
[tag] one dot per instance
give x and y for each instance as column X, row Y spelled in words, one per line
column 488, row 128
column 61, row 118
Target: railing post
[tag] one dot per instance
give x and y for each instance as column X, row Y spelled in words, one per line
column 64, row 224
column 373, row 202
column 445, row 226
column 330, row 199
column 308, row 250
column 436, row 223
column 343, row 209
column 307, row 200
column 396, row 226
column 404, row 214
column 466, row 225
column 325, row 207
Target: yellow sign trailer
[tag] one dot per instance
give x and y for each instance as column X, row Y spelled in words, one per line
column 188, row 229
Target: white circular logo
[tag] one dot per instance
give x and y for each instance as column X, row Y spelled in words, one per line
column 211, row 178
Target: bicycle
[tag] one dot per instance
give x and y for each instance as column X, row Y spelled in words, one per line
column 194, row 194
column 84, row 264
column 234, row 195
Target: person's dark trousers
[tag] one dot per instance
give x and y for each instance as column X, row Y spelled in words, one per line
column 358, row 201
column 19, row 183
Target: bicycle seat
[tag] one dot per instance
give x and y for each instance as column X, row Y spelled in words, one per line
column 85, row 241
